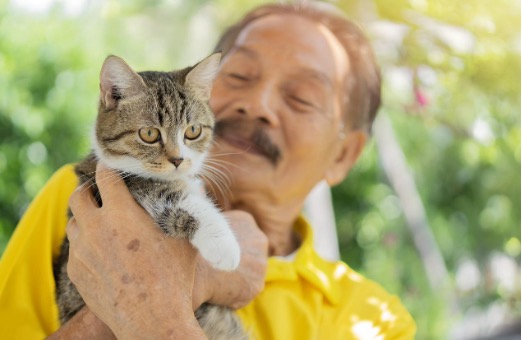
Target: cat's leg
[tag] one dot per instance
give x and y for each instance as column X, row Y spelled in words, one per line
column 193, row 216
column 67, row 297
column 220, row 323
column 213, row 237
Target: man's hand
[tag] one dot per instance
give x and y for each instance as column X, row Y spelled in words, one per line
column 135, row 279
column 83, row 325
column 131, row 276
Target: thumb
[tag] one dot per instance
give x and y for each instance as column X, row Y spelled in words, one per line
column 111, row 185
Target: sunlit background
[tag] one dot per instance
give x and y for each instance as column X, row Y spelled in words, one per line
column 431, row 211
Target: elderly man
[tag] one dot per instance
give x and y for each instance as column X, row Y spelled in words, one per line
column 294, row 99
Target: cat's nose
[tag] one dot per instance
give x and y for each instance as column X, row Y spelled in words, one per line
column 176, row 161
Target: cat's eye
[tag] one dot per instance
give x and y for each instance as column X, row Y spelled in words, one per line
column 150, row 135
column 193, row 132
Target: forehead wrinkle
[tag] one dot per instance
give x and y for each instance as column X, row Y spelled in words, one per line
column 259, row 31
column 302, row 70
column 244, row 50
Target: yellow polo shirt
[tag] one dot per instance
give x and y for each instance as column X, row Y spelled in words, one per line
column 304, row 298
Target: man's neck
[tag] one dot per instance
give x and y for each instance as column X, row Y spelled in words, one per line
column 275, row 220
column 277, row 224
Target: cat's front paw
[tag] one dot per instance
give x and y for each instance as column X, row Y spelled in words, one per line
column 219, row 247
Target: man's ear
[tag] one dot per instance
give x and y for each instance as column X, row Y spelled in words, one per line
column 350, row 150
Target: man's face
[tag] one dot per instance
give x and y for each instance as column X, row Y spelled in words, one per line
column 277, row 104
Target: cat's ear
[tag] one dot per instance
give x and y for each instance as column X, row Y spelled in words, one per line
column 201, row 76
column 118, row 81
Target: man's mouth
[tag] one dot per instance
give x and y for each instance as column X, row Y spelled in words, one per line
column 239, row 134
column 241, row 143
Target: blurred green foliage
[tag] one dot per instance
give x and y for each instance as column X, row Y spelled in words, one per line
column 451, row 72
column 451, row 76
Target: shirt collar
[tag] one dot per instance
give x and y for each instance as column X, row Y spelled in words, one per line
column 307, row 265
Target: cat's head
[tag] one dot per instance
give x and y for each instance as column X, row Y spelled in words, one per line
column 155, row 124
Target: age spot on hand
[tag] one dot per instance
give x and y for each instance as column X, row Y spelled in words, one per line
column 134, row 245
column 127, row 279
column 142, row 297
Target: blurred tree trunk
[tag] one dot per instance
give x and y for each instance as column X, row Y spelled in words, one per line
column 403, row 183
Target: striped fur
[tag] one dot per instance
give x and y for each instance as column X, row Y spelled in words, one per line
column 171, row 103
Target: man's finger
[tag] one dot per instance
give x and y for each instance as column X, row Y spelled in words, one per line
column 111, row 185
column 72, row 230
column 82, row 201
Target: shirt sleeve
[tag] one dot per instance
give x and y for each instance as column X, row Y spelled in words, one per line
column 372, row 313
column 27, row 288
column 390, row 319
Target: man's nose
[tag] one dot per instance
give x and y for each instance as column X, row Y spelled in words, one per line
column 260, row 103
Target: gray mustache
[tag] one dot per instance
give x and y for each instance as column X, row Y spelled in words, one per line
column 258, row 137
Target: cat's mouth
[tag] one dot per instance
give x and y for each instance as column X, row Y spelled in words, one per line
column 259, row 143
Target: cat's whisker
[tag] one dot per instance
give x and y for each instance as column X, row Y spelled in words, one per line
column 222, row 176
column 209, row 185
column 86, row 185
column 219, row 184
column 113, row 178
column 109, row 180
column 222, row 163
column 221, row 187
column 226, row 153
column 213, row 182
column 242, row 152
column 223, row 171
column 209, row 172
column 220, row 180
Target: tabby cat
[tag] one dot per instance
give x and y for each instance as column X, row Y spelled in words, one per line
column 155, row 128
